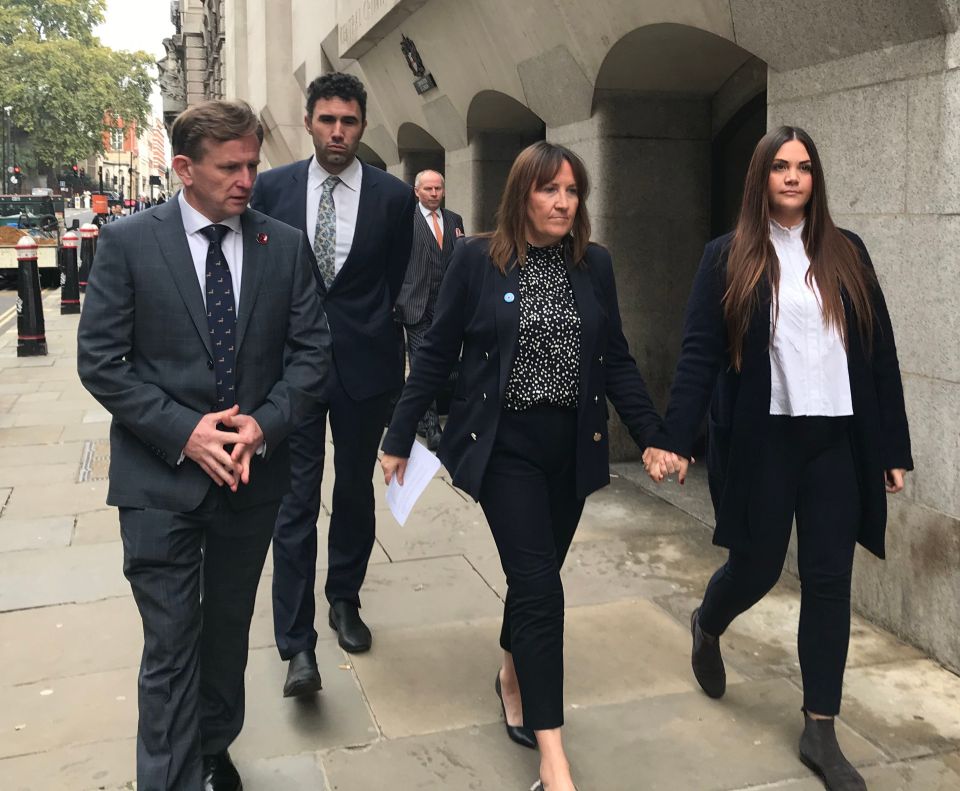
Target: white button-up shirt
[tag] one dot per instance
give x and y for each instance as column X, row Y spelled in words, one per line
column 808, row 363
column 426, row 215
column 346, row 203
column 232, row 246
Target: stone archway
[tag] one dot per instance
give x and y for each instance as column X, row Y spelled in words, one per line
column 371, row 157
column 419, row 150
column 498, row 128
column 670, row 131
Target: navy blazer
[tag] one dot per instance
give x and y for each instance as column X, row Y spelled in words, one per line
column 740, row 402
column 472, row 312
column 359, row 304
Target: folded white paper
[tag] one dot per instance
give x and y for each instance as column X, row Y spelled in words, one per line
column 421, row 467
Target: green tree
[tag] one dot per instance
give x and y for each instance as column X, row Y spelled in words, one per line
column 62, row 83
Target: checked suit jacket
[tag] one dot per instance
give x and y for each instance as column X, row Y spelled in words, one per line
column 426, row 258
column 144, row 353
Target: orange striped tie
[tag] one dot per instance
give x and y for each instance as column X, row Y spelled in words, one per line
column 436, row 229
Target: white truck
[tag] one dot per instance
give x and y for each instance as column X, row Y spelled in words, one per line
column 36, row 216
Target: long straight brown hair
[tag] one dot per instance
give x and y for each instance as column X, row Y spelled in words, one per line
column 835, row 262
column 535, row 166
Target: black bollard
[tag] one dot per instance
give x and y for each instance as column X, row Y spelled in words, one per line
column 69, row 274
column 88, row 233
column 31, row 335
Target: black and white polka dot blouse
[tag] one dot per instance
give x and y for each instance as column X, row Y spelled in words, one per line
column 546, row 369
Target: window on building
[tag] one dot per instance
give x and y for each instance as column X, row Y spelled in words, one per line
column 116, row 139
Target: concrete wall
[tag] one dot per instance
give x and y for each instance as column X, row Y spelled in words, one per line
column 887, row 123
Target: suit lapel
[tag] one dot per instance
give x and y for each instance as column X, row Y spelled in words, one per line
column 449, row 232
column 254, row 264
column 506, row 292
column 298, row 198
column 586, row 299
column 172, row 240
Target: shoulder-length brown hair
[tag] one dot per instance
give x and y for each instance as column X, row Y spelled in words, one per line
column 535, row 166
column 835, row 262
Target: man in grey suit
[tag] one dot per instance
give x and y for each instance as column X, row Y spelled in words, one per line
column 203, row 335
column 435, row 231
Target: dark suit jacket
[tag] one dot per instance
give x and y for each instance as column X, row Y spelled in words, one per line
column 144, row 353
column 740, row 408
column 426, row 258
column 359, row 305
column 471, row 311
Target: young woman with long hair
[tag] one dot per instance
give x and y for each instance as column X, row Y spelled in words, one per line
column 534, row 307
column 788, row 339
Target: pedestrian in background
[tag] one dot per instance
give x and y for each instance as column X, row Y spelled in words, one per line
column 788, row 332
column 534, row 308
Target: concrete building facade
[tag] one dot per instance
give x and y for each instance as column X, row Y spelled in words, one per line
column 664, row 100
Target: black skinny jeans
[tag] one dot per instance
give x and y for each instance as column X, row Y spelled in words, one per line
column 529, row 498
column 806, row 468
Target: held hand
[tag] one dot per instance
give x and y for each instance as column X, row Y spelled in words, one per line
column 660, row 463
column 894, row 480
column 393, row 465
column 248, row 439
column 205, row 447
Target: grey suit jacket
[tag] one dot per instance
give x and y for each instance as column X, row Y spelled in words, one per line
column 144, row 353
column 426, row 258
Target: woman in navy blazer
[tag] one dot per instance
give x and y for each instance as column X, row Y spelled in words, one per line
column 788, row 338
column 534, row 308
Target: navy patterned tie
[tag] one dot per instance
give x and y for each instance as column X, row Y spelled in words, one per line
column 221, row 316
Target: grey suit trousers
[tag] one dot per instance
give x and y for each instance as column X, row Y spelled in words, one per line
column 194, row 577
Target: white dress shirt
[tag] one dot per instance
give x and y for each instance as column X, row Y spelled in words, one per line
column 808, row 363
column 426, row 215
column 232, row 246
column 346, row 202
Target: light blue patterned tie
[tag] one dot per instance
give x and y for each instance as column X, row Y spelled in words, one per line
column 325, row 235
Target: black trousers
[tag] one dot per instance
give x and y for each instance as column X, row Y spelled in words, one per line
column 357, row 427
column 806, row 469
column 529, row 498
column 194, row 577
column 415, row 335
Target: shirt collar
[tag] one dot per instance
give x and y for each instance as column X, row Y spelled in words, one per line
column 351, row 176
column 794, row 233
column 427, row 212
column 194, row 221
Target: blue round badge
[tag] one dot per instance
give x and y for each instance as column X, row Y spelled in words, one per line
column 509, row 297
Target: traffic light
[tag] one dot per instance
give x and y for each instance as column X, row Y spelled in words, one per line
column 16, row 170
column 76, row 170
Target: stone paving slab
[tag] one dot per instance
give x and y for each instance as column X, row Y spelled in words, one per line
column 910, row 709
column 96, row 527
column 40, row 499
column 929, row 774
column 337, row 716
column 49, row 474
column 49, row 531
column 80, row 767
column 41, row 577
column 76, row 640
column 38, row 457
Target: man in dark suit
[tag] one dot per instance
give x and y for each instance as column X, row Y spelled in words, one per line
column 434, row 232
column 203, row 336
column 358, row 221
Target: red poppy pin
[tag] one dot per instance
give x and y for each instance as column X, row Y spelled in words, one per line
column 262, row 238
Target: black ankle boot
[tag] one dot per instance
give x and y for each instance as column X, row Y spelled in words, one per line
column 706, row 660
column 819, row 751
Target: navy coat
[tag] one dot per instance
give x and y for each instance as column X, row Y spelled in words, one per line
column 740, row 402
column 471, row 310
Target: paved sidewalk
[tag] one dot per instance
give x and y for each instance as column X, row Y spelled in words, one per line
column 419, row 711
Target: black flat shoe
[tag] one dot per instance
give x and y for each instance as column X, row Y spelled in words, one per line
column 706, row 660
column 352, row 633
column 219, row 773
column 523, row 736
column 820, row 751
column 303, row 676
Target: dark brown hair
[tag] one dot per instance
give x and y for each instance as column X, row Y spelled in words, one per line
column 337, row 85
column 535, row 166
column 835, row 262
column 213, row 120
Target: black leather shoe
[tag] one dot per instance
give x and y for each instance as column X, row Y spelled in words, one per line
column 433, row 438
column 219, row 773
column 821, row 753
column 352, row 633
column 523, row 736
column 303, row 676
column 706, row 660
